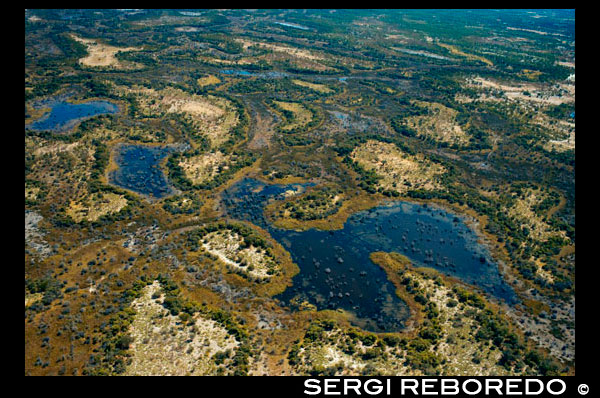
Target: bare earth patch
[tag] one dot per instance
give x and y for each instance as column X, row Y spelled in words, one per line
column 212, row 116
column 208, row 80
column 204, row 167
column 96, row 205
column 252, row 261
column 103, row 55
column 163, row 345
column 321, row 88
column 302, row 116
column 399, row 171
column 440, row 124
column 523, row 212
column 495, row 91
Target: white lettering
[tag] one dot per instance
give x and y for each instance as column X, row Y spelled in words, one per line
column 428, row 383
column 497, row 386
column 564, row 386
column 355, row 387
column 312, row 383
column 413, row 388
column 510, row 384
column 464, row 386
column 528, row 390
column 331, row 383
column 377, row 390
column 446, row 387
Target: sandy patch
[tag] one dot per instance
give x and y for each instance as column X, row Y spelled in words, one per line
column 494, row 91
column 302, row 116
column 208, row 80
column 399, row 171
column 163, row 345
column 96, row 205
column 213, row 117
column 104, row 55
column 252, row 261
column 293, row 51
column 321, row 88
column 440, row 124
column 56, row 148
column 204, row 167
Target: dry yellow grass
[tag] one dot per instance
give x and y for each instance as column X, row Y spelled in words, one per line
column 321, row 88
column 32, row 298
column 219, row 61
column 252, row 261
column 440, row 124
column 208, row 80
column 456, row 51
column 31, row 193
column 399, row 171
column 523, row 212
column 104, row 55
column 293, row 51
column 96, row 205
column 458, row 322
column 495, row 91
column 204, row 167
column 302, row 116
column 64, row 169
column 163, row 345
column 212, row 116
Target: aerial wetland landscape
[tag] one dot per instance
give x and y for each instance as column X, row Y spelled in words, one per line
column 300, row 192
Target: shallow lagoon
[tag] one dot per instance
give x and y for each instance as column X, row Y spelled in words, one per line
column 335, row 269
column 139, row 169
column 64, row 115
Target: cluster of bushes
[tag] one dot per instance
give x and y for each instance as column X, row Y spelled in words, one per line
column 115, row 344
column 174, row 205
column 397, row 123
column 50, row 288
column 95, row 185
column 186, row 309
column 41, row 195
column 251, row 237
column 239, row 131
column 316, row 204
column 178, row 178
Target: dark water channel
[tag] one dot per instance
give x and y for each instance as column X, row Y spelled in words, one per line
column 335, row 269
